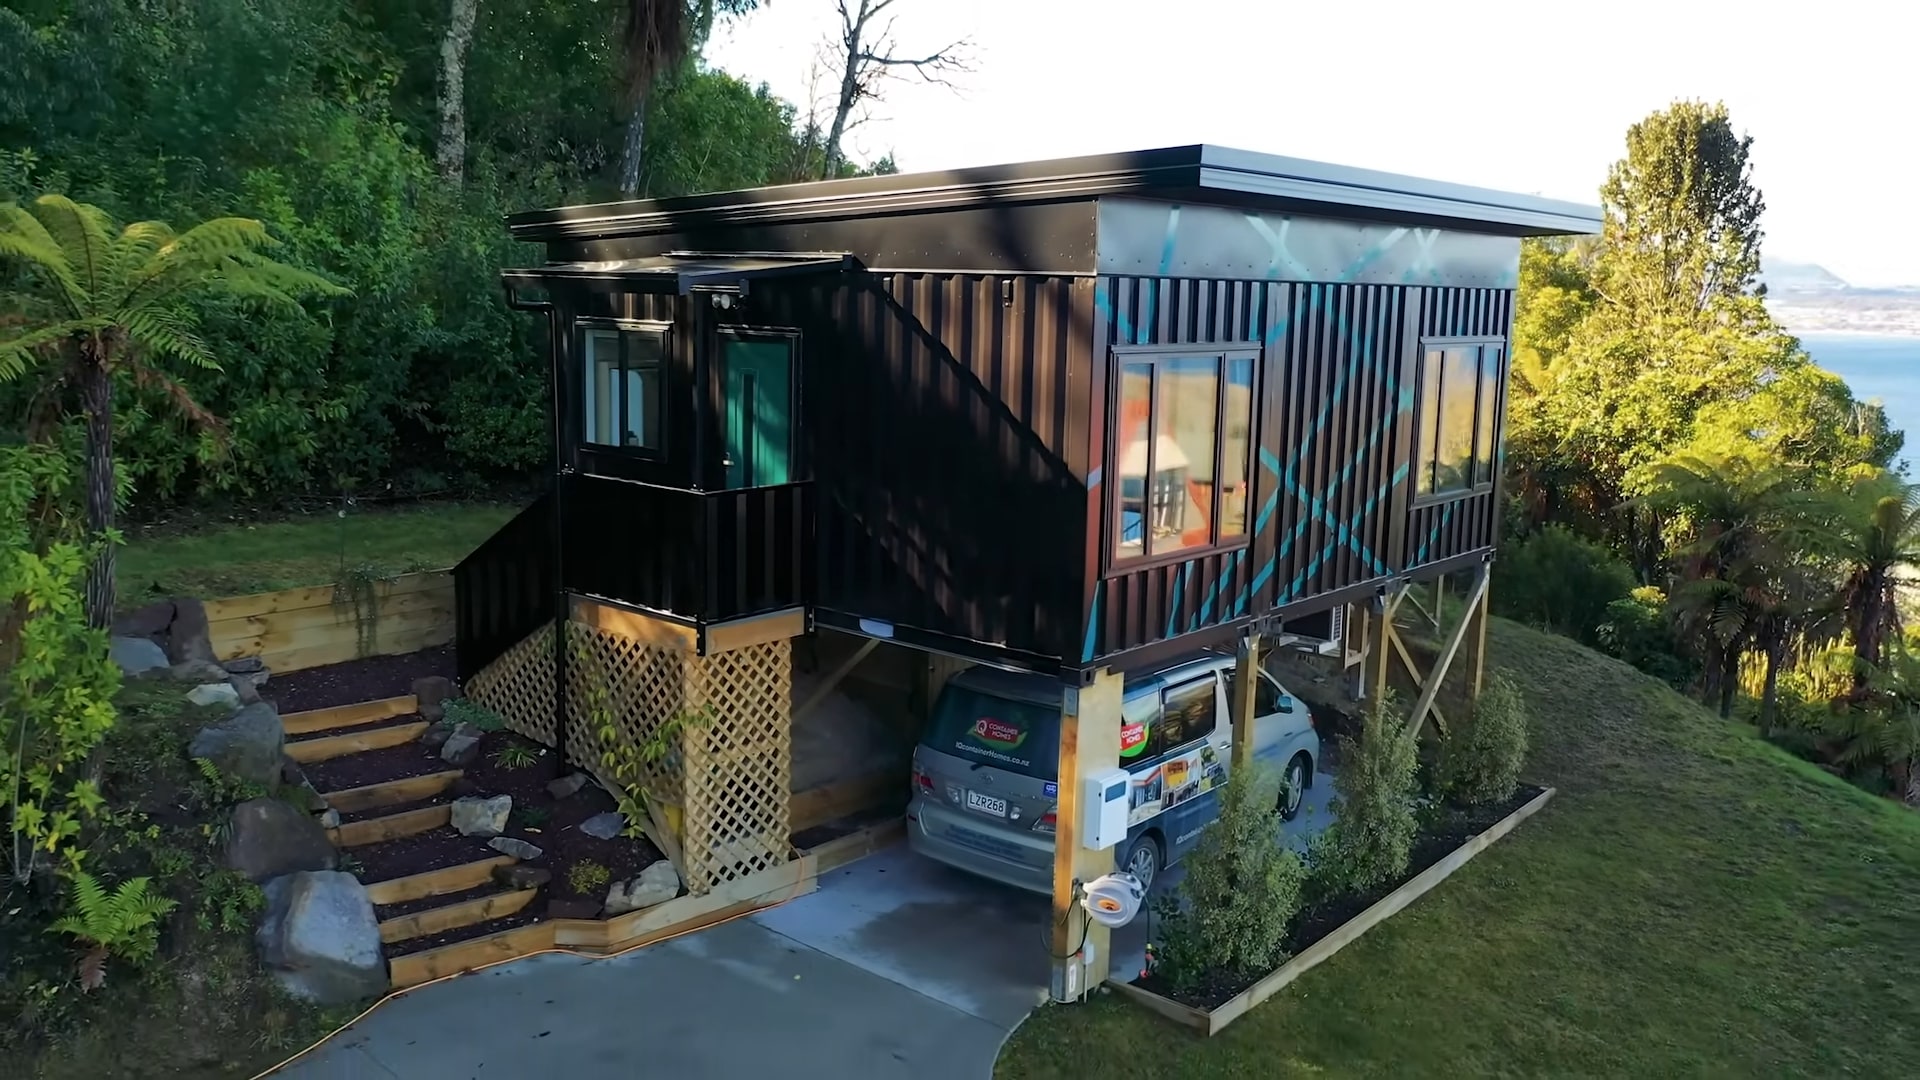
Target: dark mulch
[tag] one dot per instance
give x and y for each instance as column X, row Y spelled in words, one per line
column 367, row 679
column 435, row 849
column 1445, row 832
column 394, row 911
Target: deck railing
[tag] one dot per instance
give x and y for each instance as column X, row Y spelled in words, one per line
column 506, row 589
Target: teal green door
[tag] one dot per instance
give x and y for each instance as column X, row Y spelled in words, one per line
column 759, row 397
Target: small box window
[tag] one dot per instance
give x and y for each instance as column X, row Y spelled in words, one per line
column 622, row 385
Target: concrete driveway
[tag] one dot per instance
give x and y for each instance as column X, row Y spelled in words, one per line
column 896, row 967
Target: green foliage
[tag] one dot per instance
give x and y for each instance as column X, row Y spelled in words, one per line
column 1371, row 836
column 587, row 877
column 357, row 591
column 1480, row 761
column 1230, row 915
column 212, row 789
column 56, row 682
column 531, row 817
column 229, row 903
column 465, row 711
column 1638, row 630
column 1559, row 581
column 123, row 922
column 515, row 755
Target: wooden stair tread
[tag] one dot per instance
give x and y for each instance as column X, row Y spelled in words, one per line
column 390, row 826
column 391, row 792
column 447, row 879
column 456, row 915
column 327, row 747
column 311, row 721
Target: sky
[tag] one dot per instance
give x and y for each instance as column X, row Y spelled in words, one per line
column 1528, row 97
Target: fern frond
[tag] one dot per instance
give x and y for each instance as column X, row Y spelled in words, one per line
column 24, row 238
column 137, row 245
column 85, row 234
column 170, row 332
column 18, row 355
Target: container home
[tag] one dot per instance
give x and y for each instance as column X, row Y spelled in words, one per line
column 1071, row 416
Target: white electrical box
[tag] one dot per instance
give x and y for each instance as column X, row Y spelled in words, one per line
column 1103, row 808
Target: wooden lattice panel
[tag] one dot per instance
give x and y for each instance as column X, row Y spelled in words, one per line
column 639, row 685
column 739, row 765
column 519, row 686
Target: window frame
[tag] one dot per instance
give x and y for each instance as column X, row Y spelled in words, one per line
column 1158, row 747
column 1155, row 355
column 584, row 328
column 1425, row 458
column 797, row 464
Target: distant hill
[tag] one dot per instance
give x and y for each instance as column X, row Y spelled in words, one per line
column 1783, row 276
column 1808, row 298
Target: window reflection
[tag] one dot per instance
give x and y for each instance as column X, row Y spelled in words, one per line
column 1459, row 403
column 621, row 388
column 1183, row 444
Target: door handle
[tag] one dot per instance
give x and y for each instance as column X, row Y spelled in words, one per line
column 726, row 461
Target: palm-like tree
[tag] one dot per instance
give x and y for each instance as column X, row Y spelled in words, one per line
column 95, row 303
column 1882, row 726
column 1747, row 585
column 1874, row 533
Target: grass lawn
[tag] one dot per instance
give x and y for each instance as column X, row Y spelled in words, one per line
column 236, row 559
column 1694, row 903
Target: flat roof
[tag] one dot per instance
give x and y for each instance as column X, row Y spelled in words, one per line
column 1201, row 174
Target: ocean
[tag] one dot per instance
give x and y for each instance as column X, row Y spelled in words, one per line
column 1877, row 367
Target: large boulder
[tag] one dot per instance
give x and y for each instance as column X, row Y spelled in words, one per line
column 271, row 837
column 149, row 622
column 474, row 816
column 462, row 746
column 215, row 694
column 248, row 745
column 657, row 884
column 320, row 938
column 137, row 656
column 189, row 637
column 430, row 692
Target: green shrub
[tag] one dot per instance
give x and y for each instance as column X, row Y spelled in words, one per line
column 463, row 711
column 1480, row 761
column 1371, row 837
column 586, row 876
column 123, row 922
column 1559, row 581
column 1230, row 915
column 1636, row 629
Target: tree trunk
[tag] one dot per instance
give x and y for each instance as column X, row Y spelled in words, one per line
column 1866, row 630
column 1770, row 693
column 1729, row 680
column 96, row 398
column 451, row 156
column 630, row 150
column 842, row 111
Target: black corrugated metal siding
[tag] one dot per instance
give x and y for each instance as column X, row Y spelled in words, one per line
column 947, row 448
column 1335, row 438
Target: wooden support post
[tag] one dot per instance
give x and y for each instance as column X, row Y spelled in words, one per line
column 1479, row 614
column 827, row 686
column 1357, row 642
column 1246, row 680
column 1383, row 638
column 1440, row 667
column 1089, row 741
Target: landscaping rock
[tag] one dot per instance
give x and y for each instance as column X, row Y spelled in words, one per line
column 137, row 656
column 657, row 884
column 436, row 734
column 329, row 818
column 522, row 877
column 430, row 692
column 573, row 909
column 604, row 826
column 215, row 694
column 519, row 849
column 269, row 838
column 244, row 665
column 198, row 671
column 149, row 622
column 474, row 816
column 320, row 938
column 462, row 746
column 249, row 745
column 567, row 786
column 188, row 637
column 248, row 693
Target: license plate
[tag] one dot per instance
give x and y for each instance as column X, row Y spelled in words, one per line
column 986, row 804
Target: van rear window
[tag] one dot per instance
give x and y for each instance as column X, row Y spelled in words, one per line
column 1018, row 736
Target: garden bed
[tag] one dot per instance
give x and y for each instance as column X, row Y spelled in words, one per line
column 366, row 679
column 1323, row 929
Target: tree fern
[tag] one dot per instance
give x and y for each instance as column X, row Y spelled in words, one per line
column 124, row 922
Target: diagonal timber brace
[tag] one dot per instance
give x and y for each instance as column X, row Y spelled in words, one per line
column 1473, row 624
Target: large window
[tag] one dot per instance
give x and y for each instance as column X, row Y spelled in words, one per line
column 1183, row 443
column 622, row 383
column 1459, row 399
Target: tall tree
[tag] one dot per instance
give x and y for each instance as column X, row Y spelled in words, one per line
column 98, row 304
column 450, row 154
column 1874, row 533
column 867, row 55
column 658, row 36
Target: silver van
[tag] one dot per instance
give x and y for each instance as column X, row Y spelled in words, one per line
column 985, row 775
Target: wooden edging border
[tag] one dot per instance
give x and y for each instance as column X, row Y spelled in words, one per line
column 607, row 936
column 339, row 716
column 328, row 747
column 1211, row 1022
